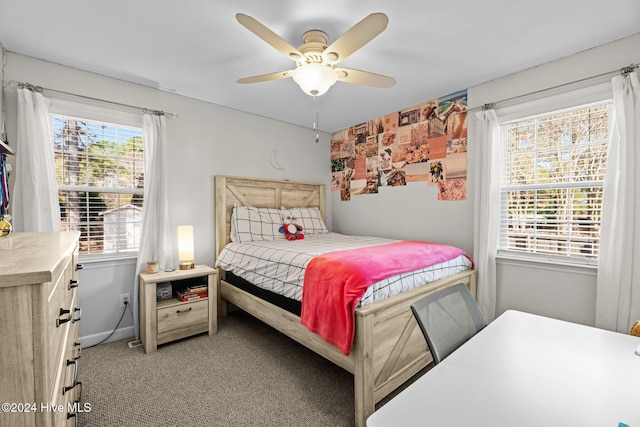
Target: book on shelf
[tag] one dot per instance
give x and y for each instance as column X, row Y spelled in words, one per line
column 196, row 289
column 189, row 296
column 192, row 297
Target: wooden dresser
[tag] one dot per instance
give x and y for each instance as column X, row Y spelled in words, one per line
column 39, row 313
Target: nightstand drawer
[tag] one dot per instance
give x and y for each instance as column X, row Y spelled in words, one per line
column 183, row 315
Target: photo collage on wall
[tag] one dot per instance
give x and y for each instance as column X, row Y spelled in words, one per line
column 426, row 142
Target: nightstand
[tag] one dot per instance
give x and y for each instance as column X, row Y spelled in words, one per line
column 172, row 319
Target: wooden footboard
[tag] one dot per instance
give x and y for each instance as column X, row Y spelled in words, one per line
column 388, row 349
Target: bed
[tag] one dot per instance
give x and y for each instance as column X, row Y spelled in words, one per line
column 388, row 347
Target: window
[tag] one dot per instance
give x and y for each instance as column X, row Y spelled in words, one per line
column 100, row 177
column 551, row 184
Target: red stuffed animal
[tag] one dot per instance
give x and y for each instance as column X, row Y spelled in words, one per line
column 291, row 230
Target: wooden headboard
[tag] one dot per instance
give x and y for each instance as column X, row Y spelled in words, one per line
column 261, row 193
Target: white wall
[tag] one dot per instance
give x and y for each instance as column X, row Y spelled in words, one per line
column 205, row 140
column 411, row 212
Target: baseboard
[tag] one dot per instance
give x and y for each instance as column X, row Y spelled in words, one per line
column 119, row 334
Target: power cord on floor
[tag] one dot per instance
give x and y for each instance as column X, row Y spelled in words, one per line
column 126, row 304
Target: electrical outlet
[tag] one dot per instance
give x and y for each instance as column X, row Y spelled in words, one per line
column 125, row 299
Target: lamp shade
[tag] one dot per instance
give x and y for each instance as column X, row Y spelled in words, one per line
column 185, row 247
column 314, row 79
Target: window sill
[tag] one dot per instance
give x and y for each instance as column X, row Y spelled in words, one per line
column 119, row 259
column 546, row 264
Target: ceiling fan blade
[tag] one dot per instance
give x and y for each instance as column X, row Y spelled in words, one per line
column 266, row 77
column 356, row 37
column 268, row 36
column 364, row 78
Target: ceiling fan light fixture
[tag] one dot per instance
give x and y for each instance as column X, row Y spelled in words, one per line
column 314, row 79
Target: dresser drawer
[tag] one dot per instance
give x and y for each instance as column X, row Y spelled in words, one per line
column 60, row 313
column 66, row 394
column 183, row 315
column 66, row 333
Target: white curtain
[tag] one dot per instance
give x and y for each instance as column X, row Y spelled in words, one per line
column 155, row 240
column 618, row 281
column 35, row 195
column 486, row 208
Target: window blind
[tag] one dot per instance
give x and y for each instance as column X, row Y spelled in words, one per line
column 100, row 177
column 551, row 183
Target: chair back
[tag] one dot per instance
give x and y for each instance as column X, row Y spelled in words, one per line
column 448, row 318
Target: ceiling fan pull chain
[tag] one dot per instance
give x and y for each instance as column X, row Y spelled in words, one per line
column 315, row 123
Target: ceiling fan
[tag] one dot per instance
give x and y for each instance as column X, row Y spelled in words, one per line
column 315, row 59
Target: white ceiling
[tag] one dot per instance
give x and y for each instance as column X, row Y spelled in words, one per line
column 197, row 48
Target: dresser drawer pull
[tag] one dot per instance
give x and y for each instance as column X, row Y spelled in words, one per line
column 77, row 314
column 60, row 321
column 184, row 311
column 75, row 376
column 79, row 267
column 75, row 370
column 77, row 346
column 77, row 408
column 72, row 284
column 73, row 415
column 71, row 387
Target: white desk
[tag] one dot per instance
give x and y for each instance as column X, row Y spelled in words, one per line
column 526, row 370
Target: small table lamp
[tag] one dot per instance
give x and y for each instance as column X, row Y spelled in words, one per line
column 185, row 247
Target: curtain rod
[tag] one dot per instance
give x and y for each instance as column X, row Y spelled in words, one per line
column 41, row 89
column 491, row 105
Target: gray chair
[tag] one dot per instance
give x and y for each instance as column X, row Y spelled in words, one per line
column 448, row 318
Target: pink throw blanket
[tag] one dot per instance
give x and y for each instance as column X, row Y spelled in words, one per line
column 334, row 283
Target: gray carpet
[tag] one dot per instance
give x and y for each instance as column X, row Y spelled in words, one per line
column 247, row 374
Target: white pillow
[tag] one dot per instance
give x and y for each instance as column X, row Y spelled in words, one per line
column 233, row 234
column 251, row 224
column 309, row 218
